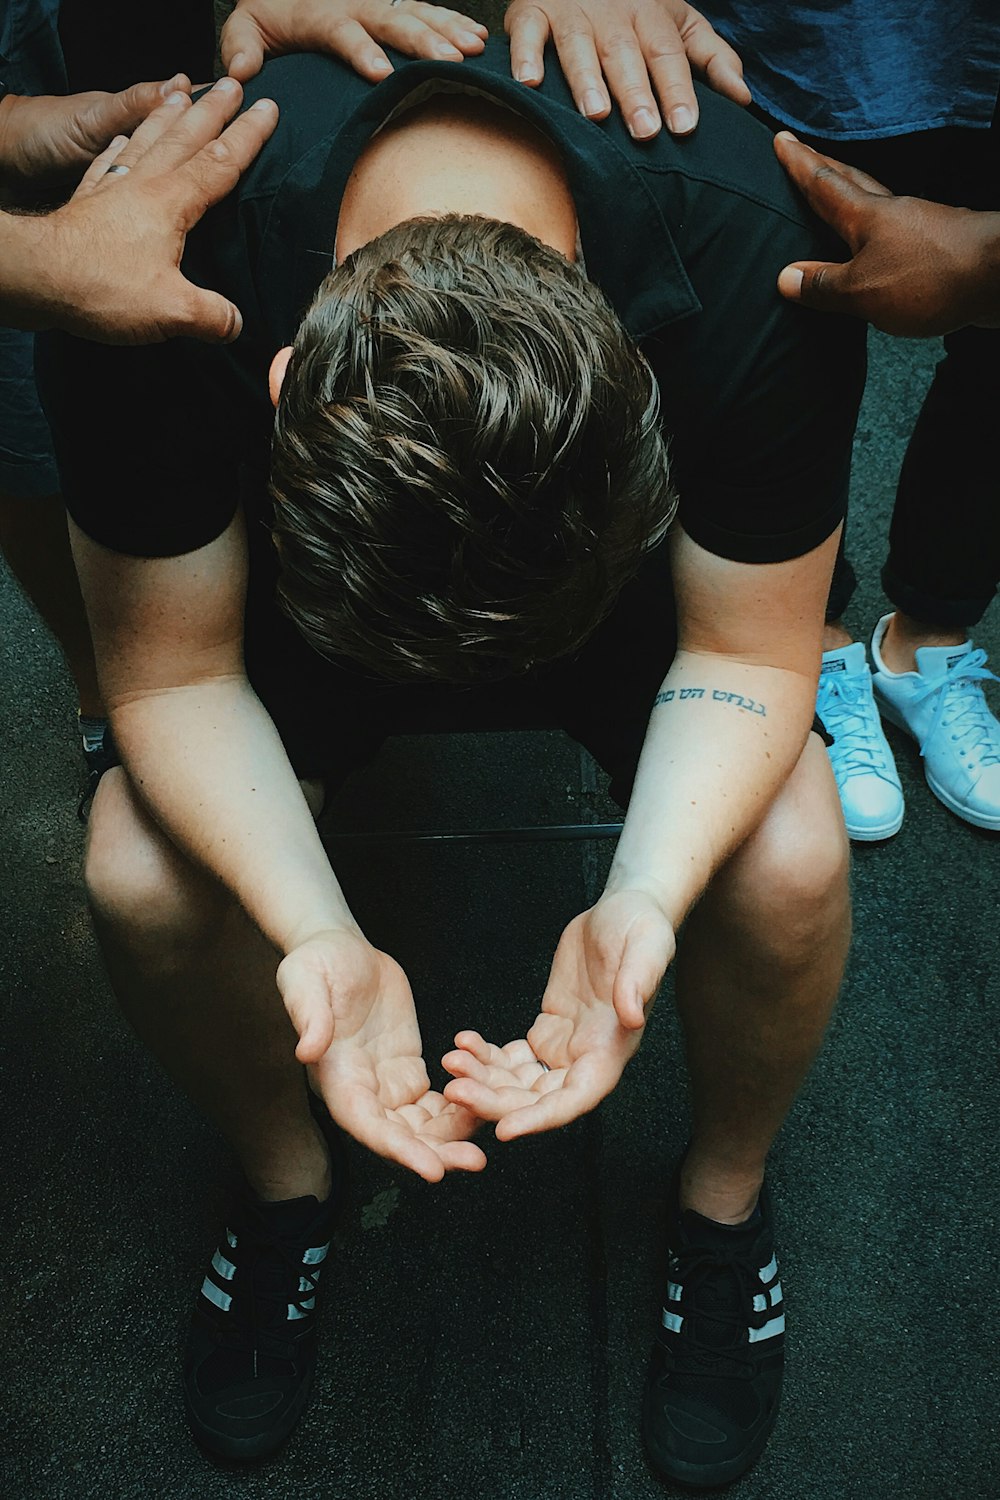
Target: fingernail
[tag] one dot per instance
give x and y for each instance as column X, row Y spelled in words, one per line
column 593, row 103
column 448, row 53
column 381, row 65
column 527, row 74
column 469, row 38
column 643, row 124
column 267, row 104
column 682, row 120
column 792, row 281
column 239, row 61
column 171, row 85
column 177, row 98
column 227, row 85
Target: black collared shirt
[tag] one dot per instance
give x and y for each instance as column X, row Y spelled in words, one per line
column 686, row 238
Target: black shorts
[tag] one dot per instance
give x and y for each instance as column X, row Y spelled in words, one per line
column 332, row 719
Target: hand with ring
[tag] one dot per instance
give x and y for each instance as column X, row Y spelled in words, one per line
column 604, row 977
column 355, row 30
column 106, row 265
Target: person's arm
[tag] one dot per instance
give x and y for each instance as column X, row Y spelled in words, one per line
column 106, row 266
column 726, row 730
column 640, row 53
column 917, row 269
column 350, row 29
column 205, row 758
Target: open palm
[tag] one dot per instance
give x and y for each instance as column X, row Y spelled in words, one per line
column 353, row 1009
column 605, row 972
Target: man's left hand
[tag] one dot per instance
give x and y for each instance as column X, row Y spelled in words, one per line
column 639, row 52
column 351, row 29
column 605, row 974
column 49, row 141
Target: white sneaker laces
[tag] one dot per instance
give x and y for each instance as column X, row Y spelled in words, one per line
column 848, row 711
column 962, row 709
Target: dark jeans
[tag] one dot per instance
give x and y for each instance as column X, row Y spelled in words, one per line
column 944, row 542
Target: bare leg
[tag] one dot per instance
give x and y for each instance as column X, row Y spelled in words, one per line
column 34, row 540
column 758, row 971
column 196, row 981
column 904, row 635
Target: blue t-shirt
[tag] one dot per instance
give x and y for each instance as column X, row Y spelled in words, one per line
column 858, row 70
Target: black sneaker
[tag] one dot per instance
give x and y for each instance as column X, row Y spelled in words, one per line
column 249, row 1361
column 715, row 1378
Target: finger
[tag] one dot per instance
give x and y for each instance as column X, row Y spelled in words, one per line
column 582, row 68
column 99, row 166
column 487, row 1102
column 628, row 78
column 187, row 133
column 241, row 46
column 670, row 72
column 462, row 1064
column 115, row 114
column 838, row 193
column 218, row 166
column 795, row 156
column 713, row 57
column 547, row 1112
column 461, row 1156
column 463, row 32
column 818, row 284
column 528, row 33
column 488, row 1052
column 409, row 34
column 165, row 117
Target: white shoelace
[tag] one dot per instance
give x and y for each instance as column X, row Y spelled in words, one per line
column 848, row 712
column 964, row 702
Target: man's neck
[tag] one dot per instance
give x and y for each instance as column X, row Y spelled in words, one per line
column 458, row 153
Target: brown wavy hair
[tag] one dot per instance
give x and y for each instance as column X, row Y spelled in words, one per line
column 467, row 460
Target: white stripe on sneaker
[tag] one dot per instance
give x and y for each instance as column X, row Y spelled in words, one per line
column 769, row 1331
column 672, row 1321
column 769, row 1272
column 317, row 1256
column 222, row 1266
column 213, row 1293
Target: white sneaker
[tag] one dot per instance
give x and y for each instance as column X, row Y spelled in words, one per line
column 863, row 767
column 942, row 705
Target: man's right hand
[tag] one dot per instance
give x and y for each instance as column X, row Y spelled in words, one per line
column 106, row 266
column 353, row 1010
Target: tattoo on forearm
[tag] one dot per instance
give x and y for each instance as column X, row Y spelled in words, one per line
column 718, row 695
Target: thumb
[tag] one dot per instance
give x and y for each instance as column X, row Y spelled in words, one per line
column 208, row 316
column 242, row 47
column 816, row 283
column 649, row 948
column 307, row 1002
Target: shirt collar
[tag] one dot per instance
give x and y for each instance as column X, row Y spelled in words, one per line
column 627, row 244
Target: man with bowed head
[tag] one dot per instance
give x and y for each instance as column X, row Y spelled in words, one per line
column 495, row 309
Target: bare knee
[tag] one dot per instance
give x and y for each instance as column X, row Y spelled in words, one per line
column 141, row 889
column 790, row 879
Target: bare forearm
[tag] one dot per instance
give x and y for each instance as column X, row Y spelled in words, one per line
column 722, row 739
column 210, row 766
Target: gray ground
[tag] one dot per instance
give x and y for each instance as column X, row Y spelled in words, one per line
column 487, row 1337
